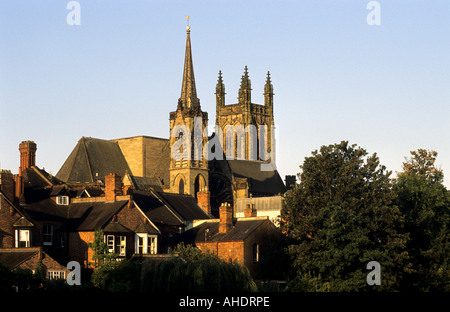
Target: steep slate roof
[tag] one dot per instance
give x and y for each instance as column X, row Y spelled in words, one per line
column 91, row 157
column 25, row 218
column 115, row 227
column 36, row 177
column 155, row 209
column 145, row 228
column 184, row 205
column 167, row 208
column 46, row 210
column 267, row 182
column 14, row 257
column 209, row 231
column 142, row 183
column 89, row 216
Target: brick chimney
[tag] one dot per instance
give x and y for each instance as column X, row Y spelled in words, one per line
column 203, row 200
column 7, row 184
column 19, row 186
column 113, row 187
column 226, row 218
column 27, row 155
column 250, row 211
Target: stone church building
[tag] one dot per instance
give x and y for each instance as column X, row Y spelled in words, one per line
column 146, row 162
column 147, row 194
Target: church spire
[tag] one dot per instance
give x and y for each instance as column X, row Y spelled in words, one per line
column 188, row 99
column 245, row 91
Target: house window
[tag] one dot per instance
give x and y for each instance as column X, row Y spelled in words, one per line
column 255, row 252
column 110, row 243
column 62, row 200
column 121, row 245
column 48, row 234
column 146, row 244
column 22, row 238
column 151, row 245
column 140, row 245
column 116, row 244
column 53, row 275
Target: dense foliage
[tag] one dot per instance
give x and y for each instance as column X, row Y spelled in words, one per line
column 191, row 270
column 425, row 204
column 346, row 211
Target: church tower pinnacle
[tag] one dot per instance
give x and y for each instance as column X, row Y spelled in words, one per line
column 268, row 92
column 245, row 91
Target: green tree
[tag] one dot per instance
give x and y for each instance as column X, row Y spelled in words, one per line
column 425, row 204
column 192, row 270
column 100, row 248
column 341, row 216
column 103, row 260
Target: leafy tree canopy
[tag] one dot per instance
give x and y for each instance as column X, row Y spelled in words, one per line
column 342, row 216
column 425, row 204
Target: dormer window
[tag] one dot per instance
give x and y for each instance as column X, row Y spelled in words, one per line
column 62, row 200
column 22, row 238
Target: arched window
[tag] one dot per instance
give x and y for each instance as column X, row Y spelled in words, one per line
column 199, row 185
column 181, row 187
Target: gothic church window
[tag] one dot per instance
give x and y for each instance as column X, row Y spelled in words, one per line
column 181, row 187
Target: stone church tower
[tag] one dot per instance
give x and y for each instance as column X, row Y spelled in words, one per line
column 188, row 168
column 242, row 143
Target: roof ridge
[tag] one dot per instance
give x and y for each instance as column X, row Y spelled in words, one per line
column 87, row 158
column 164, row 201
column 38, row 171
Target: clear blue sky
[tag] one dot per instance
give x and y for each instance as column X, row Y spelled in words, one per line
column 118, row 74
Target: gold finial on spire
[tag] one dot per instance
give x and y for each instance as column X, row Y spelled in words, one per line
column 187, row 21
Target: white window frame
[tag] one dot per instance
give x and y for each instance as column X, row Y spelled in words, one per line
column 116, row 244
column 121, row 245
column 110, row 242
column 62, row 200
column 19, row 238
column 138, row 238
column 149, row 243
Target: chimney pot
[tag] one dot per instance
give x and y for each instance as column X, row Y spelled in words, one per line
column 250, row 211
column 27, row 155
column 226, row 218
column 113, row 187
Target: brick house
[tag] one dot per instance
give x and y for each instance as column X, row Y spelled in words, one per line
column 247, row 240
column 24, row 232
column 30, row 258
column 127, row 230
column 158, row 198
column 39, row 210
